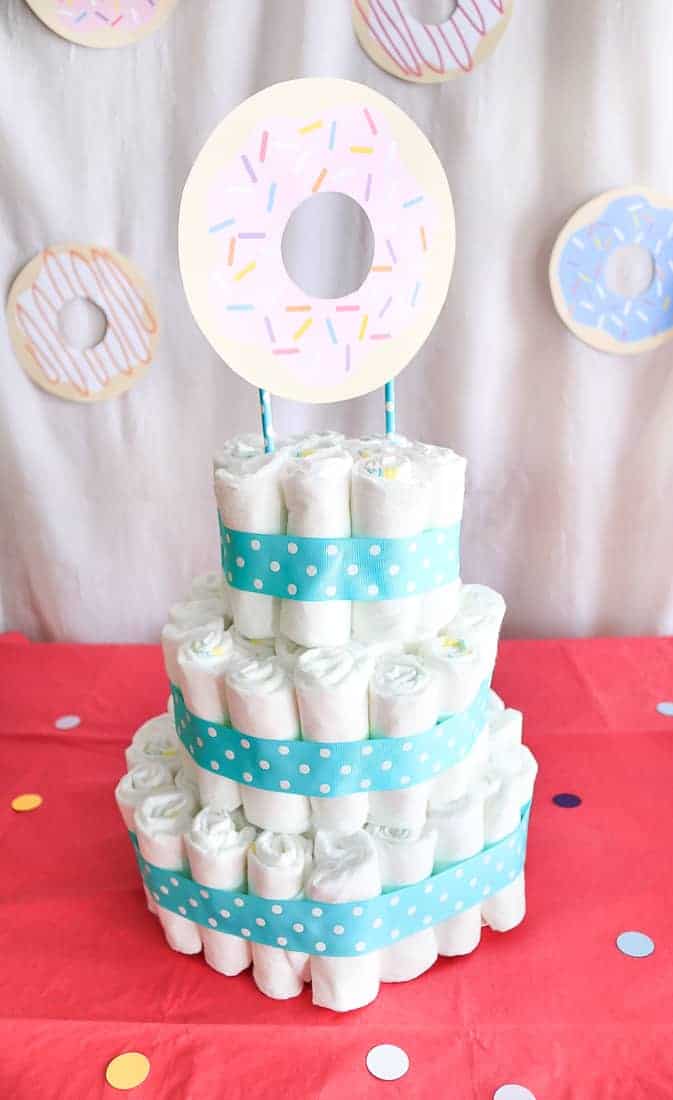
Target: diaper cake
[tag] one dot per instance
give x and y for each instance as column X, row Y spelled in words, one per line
column 335, row 795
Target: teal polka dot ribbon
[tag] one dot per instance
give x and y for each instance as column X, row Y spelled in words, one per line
column 312, row 569
column 350, row 928
column 335, row 769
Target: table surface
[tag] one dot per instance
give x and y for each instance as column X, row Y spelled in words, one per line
column 552, row 1005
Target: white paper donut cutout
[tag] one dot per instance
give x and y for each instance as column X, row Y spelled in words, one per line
column 428, row 53
column 269, row 155
column 58, row 275
column 102, row 23
column 624, row 323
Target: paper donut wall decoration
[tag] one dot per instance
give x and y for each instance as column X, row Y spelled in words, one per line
column 276, row 150
column 59, row 275
column 611, row 271
column 102, row 23
column 427, row 53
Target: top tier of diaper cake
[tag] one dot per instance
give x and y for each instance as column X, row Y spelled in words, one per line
column 332, row 735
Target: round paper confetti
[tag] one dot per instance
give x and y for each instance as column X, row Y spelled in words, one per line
column 25, row 802
column 635, row 944
column 387, row 1062
column 567, row 801
column 127, row 1071
column 67, row 722
column 513, row 1092
column 666, row 709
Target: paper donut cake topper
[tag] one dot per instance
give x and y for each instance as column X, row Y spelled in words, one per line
column 273, row 152
column 427, row 52
column 102, row 23
column 624, row 227
column 61, row 274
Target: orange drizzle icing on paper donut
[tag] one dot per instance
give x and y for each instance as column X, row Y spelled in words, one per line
column 127, row 343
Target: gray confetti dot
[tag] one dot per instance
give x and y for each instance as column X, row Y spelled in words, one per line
column 67, row 722
column 387, row 1062
column 666, row 709
column 635, row 944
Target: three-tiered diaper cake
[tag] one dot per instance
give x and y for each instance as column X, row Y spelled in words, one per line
column 336, row 796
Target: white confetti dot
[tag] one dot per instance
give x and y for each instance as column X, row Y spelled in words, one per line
column 212, row 732
column 193, row 902
column 366, row 750
column 225, row 913
column 292, row 589
column 325, row 753
column 386, row 765
column 332, row 550
column 260, row 921
column 394, row 570
column 257, row 583
column 164, row 889
column 304, row 769
column 330, row 590
column 229, row 754
column 239, row 902
column 360, row 945
column 240, row 562
column 67, row 722
column 513, row 1092
column 311, row 570
column 247, row 777
column 281, row 941
column 204, row 893
column 316, row 911
column 394, row 901
column 255, row 544
column 245, row 931
column 277, row 909
column 212, row 922
column 325, row 788
column 284, row 784
column 345, row 769
column 407, row 746
column 214, row 766
column 375, row 550
column 377, row 923
column 352, row 570
column 387, row 1062
column 274, row 566
column 297, row 927
column 320, row 946
column 358, row 911
column 373, row 589
column 245, row 744
column 283, row 750
column 338, row 929
column 264, row 765
column 292, row 548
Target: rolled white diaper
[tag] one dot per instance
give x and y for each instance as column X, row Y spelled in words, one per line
column 155, row 742
column 186, row 779
column 479, row 619
column 389, row 499
column 211, row 586
column 505, row 730
column 445, row 472
column 512, row 773
column 130, row 791
column 460, row 668
column 402, row 701
column 237, row 451
column 460, row 834
column 346, row 869
column 278, row 866
column 260, row 648
column 332, row 695
column 202, row 668
column 161, row 821
column 313, row 441
column 316, row 484
column 186, row 622
column 495, row 704
column 370, row 446
column 262, row 703
column 249, row 498
column 288, row 652
column 406, row 856
column 217, row 849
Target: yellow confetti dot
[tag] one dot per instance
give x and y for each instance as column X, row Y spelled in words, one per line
column 127, row 1071
column 24, row 802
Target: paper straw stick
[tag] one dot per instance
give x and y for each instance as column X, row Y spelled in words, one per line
column 390, row 408
column 267, row 422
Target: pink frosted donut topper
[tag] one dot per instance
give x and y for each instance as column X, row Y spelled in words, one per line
column 102, row 23
column 271, row 154
column 59, row 275
column 426, row 53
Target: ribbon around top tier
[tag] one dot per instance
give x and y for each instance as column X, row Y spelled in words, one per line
column 331, row 770
column 347, row 928
column 360, row 569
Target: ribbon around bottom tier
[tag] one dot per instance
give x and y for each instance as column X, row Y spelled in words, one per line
column 331, row 770
column 346, row 929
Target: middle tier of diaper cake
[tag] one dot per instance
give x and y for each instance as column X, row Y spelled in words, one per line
column 335, row 793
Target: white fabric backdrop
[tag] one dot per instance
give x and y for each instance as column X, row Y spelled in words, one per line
column 107, row 510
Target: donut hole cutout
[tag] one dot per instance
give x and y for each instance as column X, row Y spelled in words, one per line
column 433, row 12
column 328, row 245
column 82, row 324
column 629, row 270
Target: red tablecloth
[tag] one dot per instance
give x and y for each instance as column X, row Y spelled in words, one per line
column 553, row 1005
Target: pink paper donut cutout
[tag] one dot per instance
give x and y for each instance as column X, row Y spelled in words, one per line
column 273, row 152
column 426, row 52
column 60, row 274
column 102, row 23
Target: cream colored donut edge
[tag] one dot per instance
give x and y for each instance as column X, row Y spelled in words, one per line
column 107, row 37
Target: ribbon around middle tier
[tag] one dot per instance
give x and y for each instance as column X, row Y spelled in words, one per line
column 334, row 769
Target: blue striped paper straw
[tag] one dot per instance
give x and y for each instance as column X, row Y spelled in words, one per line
column 267, row 422
column 390, row 408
